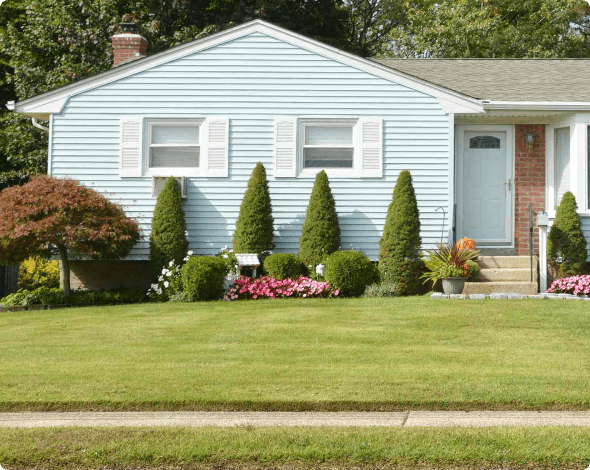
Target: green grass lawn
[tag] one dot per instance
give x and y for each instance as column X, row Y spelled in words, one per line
column 250, row 447
column 298, row 354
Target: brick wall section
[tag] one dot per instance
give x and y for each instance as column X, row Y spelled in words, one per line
column 127, row 46
column 529, row 184
column 98, row 275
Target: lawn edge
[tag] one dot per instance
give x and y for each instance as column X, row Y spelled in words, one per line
column 244, row 406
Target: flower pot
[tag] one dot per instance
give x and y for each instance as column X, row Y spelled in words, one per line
column 453, row 285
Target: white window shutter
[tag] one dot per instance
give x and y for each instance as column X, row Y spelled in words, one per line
column 371, row 147
column 130, row 148
column 285, row 148
column 218, row 147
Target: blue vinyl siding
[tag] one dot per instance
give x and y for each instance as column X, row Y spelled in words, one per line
column 252, row 80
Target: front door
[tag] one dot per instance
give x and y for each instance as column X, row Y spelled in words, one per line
column 485, row 185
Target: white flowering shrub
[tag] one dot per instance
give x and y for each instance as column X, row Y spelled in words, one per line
column 168, row 283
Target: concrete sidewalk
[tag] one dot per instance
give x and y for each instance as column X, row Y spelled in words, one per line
column 396, row 419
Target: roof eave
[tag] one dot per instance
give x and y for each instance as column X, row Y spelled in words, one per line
column 54, row 101
column 537, row 105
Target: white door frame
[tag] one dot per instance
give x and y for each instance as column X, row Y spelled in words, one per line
column 510, row 159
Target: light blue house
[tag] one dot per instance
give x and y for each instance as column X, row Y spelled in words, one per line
column 209, row 110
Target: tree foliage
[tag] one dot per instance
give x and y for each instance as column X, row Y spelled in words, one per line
column 320, row 234
column 399, row 254
column 493, row 28
column 254, row 227
column 49, row 216
column 566, row 245
column 168, row 236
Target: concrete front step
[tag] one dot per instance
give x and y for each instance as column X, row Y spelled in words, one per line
column 507, row 274
column 525, row 288
column 505, row 261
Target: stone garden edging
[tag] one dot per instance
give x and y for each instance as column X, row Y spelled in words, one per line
column 509, row 296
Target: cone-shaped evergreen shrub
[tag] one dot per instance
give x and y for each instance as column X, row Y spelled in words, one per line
column 320, row 235
column 168, row 238
column 399, row 254
column 254, row 227
column 566, row 245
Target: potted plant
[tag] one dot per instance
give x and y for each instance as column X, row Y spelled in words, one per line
column 451, row 263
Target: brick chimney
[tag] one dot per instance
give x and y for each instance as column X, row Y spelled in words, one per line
column 128, row 45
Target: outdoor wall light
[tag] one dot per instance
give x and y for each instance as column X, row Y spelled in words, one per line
column 529, row 139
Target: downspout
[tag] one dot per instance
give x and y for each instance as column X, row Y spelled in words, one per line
column 11, row 105
column 39, row 126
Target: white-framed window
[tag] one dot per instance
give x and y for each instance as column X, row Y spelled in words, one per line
column 341, row 147
column 174, row 146
column 160, row 147
column 329, row 145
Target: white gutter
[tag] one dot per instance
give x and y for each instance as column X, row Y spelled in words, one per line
column 39, row 126
column 538, row 105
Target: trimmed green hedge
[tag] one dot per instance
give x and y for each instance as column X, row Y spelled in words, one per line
column 202, row 278
column 350, row 272
column 284, row 266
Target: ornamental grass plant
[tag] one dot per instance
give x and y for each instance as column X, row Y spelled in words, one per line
column 448, row 261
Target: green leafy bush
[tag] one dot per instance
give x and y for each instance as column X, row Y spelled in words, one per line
column 566, row 244
column 320, row 234
column 254, row 227
column 35, row 272
column 56, row 296
column 284, row 266
column 399, row 254
column 350, row 272
column 168, row 237
column 385, row 289
column 202, row 278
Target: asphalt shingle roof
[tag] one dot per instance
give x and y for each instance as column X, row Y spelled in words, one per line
column 504, row 79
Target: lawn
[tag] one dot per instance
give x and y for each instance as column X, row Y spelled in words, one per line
column 299, row 354
column 249, row 447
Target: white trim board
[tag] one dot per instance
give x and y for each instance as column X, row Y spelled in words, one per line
column 54, row 101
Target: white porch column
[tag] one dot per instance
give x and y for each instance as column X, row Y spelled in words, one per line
column 451, row 175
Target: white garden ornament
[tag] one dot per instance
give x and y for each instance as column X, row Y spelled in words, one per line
column 320, row 269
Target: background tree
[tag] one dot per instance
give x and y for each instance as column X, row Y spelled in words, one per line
column 320, row 234
column 168, row 236
column 369, row 24
column 566, row 245
column 49, row 216
column 399, row 254
column 493, row 28
column 254, row 227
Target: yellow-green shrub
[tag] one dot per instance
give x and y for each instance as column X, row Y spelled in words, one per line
column 38, row 272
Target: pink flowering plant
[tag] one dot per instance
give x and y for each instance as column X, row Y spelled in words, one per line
column 576, row 285
column 269, row 288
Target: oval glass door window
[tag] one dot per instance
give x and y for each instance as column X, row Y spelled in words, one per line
column 484, row 142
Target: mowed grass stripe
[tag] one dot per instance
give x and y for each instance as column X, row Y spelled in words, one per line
column 81, row 448
column 298, row 354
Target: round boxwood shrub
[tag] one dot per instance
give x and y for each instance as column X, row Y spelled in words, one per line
column 320, row 234
column 284, row 266
column 168, row 237
column 350, row 272
column 202, row 278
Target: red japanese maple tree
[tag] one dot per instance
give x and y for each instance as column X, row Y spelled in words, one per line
column 51, row 216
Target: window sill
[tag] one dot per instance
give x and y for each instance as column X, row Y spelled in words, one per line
column 175, row 172
column 331, row 172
